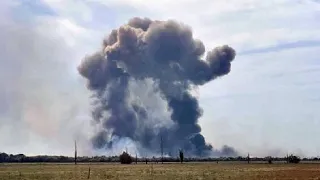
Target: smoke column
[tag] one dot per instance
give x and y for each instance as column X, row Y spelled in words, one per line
column 164, row 56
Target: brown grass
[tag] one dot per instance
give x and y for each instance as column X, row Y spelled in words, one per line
column 160, row 171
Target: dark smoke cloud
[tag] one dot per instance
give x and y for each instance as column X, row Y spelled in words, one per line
column 165, row 54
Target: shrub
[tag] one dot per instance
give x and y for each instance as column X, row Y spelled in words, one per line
column 294, row 159
column 125, row 158
column 269, row 159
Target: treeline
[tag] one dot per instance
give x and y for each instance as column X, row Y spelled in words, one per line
column 21, row 158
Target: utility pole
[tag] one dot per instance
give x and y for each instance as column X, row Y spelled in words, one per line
column 161, row 146
column 75, row 152
column 136, row 158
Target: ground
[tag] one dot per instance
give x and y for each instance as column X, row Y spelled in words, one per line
column 160, row 171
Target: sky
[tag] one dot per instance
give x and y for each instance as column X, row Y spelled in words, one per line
column 266, row 105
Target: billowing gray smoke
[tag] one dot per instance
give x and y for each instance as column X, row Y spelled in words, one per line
column 165, row 54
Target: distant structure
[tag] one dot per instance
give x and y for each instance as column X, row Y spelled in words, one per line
column 75, row 152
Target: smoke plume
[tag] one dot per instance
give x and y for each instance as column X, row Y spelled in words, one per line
column 142, row 80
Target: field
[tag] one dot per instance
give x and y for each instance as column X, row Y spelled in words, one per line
column 160, row 171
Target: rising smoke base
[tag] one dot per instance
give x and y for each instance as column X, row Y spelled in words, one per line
column 164, row 56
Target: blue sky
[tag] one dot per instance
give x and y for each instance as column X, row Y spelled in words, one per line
column 266, row 105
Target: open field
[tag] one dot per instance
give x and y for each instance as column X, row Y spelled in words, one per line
column 160, row 171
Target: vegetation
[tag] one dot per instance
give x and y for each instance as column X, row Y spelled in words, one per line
column 293, row 159
column 181, row 156
column 21, row 158
column 269, row 159
column 125, row 158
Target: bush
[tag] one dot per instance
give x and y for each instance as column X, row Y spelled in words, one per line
column 293, row 159
column 4, row 157
column 269, row 159
column 125, row 158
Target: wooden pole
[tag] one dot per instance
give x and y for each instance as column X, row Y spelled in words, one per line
column 75, row 152
column 89, row 173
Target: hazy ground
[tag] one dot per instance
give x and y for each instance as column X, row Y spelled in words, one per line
column 159, row 171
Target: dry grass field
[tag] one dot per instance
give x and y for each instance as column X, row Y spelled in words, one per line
column 160, row 171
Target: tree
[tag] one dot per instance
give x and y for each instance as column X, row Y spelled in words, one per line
column 125, row 158
column 181, row 155
column 294, row 159
column 4, row 157
column 269, row 159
